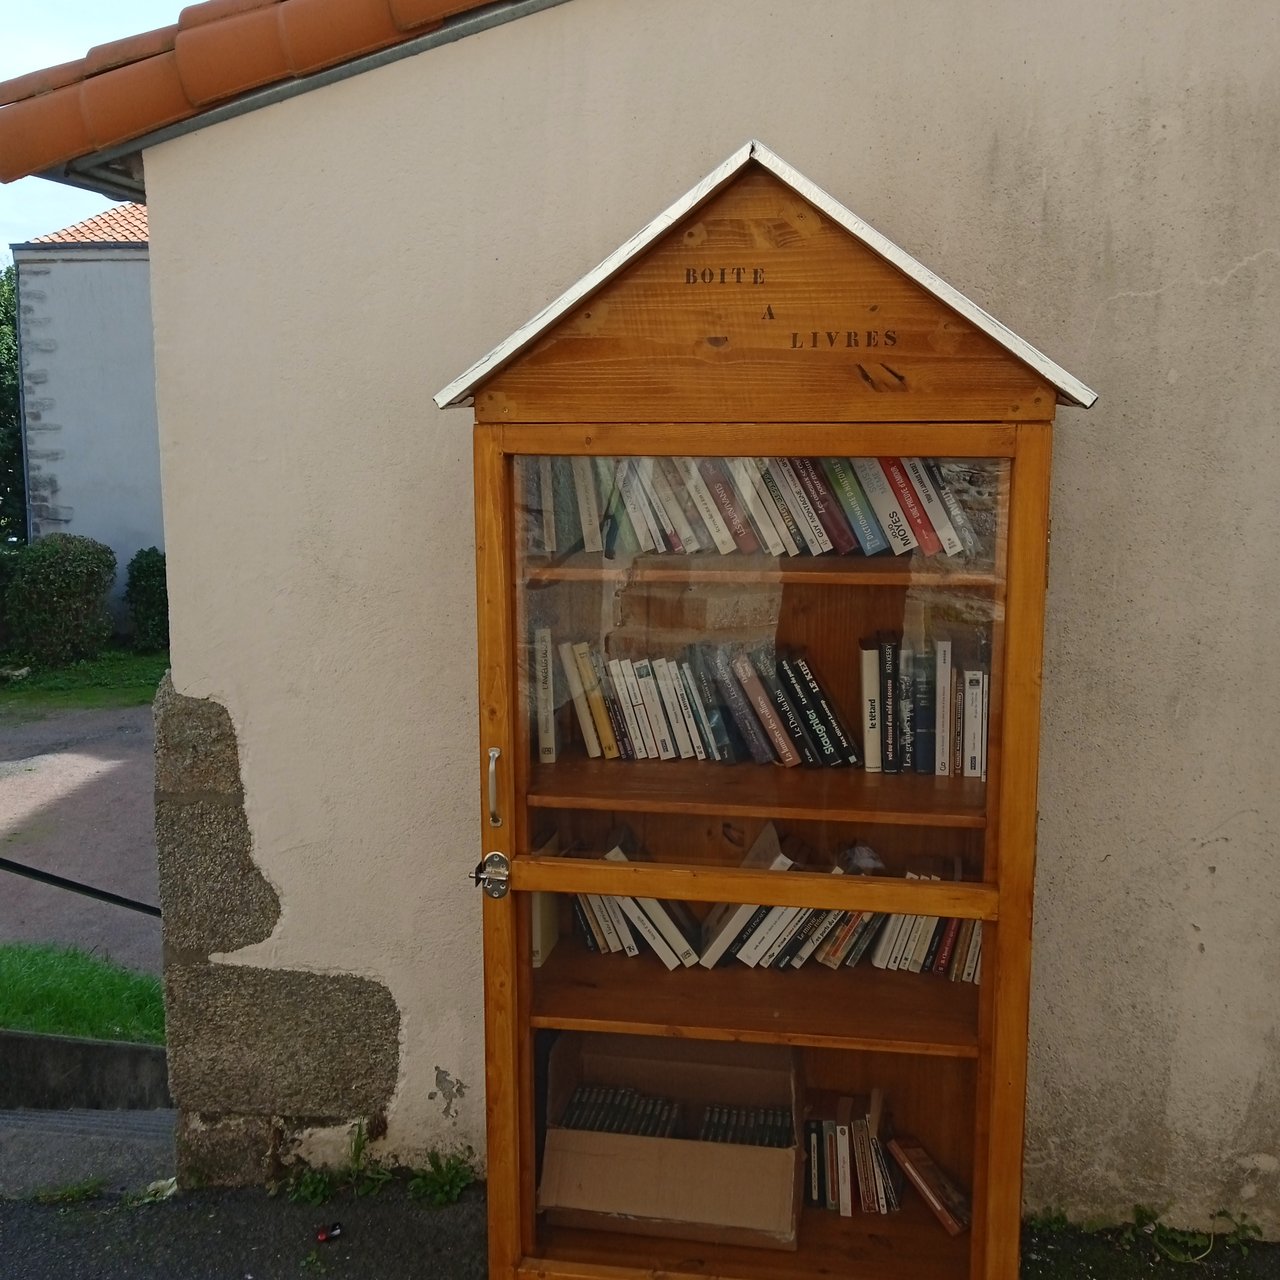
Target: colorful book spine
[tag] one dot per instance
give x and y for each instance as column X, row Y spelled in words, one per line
column 926, row 717
column 726, row 501
column 706, row 504
column 544, row 693
column 757, row 695
column 820, row 734
column 909, row 501
column 743, row 476
column 857, row 509
column 906, row 706
column 889, row 741
column 934, row 508
column 789, row 482
column 595, row 701
column 577, row 692
column 825, row 506
column 618, row 679
column 960, row 521
column 884, row 502
column 739, row 708
column 827, row 709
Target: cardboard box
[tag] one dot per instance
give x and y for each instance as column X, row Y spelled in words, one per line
column 718, row 1192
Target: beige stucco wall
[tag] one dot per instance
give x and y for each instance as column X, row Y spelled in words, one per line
column 1100, row 176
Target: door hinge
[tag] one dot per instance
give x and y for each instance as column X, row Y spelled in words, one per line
column 493, row 875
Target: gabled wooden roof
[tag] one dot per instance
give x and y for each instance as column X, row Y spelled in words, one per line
column 1068, row 389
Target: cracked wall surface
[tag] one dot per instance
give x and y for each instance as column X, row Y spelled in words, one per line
column 1100, row 177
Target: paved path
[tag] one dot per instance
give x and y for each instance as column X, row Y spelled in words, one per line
column 76, row 793
column 39, row 1150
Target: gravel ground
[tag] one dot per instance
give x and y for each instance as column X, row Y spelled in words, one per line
column 243, row 1235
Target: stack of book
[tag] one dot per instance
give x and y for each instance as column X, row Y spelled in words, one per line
column 746, row 1126
column 709, row 702
column 926, row 704
column 848, row 1170
column 606, row 1109
column 775, row 506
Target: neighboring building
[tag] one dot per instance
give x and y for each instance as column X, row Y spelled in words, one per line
column 88, row 385
column 351, row 203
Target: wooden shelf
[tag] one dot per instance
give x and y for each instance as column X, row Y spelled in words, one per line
column 860, row 1008
column 763, row 791
column 907, row 1245
column 876, row 571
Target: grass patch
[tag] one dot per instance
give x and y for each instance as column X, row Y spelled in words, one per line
column 116, row 678
column 73, row 1193
column 64, row 992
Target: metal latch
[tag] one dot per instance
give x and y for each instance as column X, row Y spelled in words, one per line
column 493, row 875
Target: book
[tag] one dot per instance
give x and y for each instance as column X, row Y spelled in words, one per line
column 584, row 490
column 618, row 921
column 827, row 709
column 669, row 490
column 942, row 708
column 788, row 525
column 671, row 705
column 708, row 510
column 685, row 704
column 973, row 725
column 710, row 746
column 726, row 501
column 586, row 926
column 745, row 479
column 740, row 712
column 544, row 694
column 869, row 652
column 638, row 711
column 637, row 509
column 947, row 946
column 815, row 1170
column 934, row 508
column 798, row 501
column 616, row 533
column 708, row 698
column 622, row 690
column 546, row 504
column 816, row 729
column 906, row 707
column 647, row 930
column 909, row 503
column 884, row 502
column 573, row 678
column 845, row 1156
column 784, row 749
column 725, row 921
column 925, row 717
column 832, row 518
column 595, row 700
column 613, row 705
column 660, row 524
column 890, row 744
column 960, row 521
column 664, row 744
column 857, row 509
column 949, row 1204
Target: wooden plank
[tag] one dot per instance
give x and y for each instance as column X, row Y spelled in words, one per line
column 1007, row 964
column 510, row 1218
column 739, row 884
column 744, row 790
column 908, row 1245
column 862, row 1008
column 765, row 439
column 758, row 306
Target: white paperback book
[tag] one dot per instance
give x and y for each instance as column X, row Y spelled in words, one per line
column 584, row 487
column 544, row 684
column 681, row 948
column 725, row 921
column 871, row 710
column 574, row 680
column 942, row 708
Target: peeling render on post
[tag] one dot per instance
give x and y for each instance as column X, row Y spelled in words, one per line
column 256, row 1056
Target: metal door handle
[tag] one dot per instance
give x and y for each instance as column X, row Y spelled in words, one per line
column 495, row 818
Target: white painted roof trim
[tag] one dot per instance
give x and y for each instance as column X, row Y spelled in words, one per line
column 1070, row 389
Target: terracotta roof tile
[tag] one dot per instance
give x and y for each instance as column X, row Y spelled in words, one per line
column 217, row 50
column 125, row 223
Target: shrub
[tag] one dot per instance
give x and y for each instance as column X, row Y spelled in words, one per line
column 55, row 604
column 147, row 595
column 10, row 556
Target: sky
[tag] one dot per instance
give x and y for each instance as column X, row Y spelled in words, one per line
column 42, row 35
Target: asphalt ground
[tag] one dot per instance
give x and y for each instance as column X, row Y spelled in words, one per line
column 76, row 792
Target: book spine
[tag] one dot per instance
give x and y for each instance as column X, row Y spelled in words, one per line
column 622, row 691
column 783, row 748
column 681, row 691
column 711, row 749
column 815, row 1191
column 906, row 710
column 866, row 1173
column 926, row 712
column 955, row 969
column 547, row 504
column 652, row 699
column 604, row 919
column 935, row 945
column 585, row 928
column 595, row 700
column 866, row 938
column 889, row 761
column 704, row 678
column 787, row 525
column 616, row 533
column 740, row 709
column 671, row 933
column 633, row 500
column 870, row 658
column 986, row 717
column 825, row 506
column 584, row 488
column 927, row 1179
column 789, row 482
column 857, row 509
column 844, row 1161
column 660, row 524
column 942, row 708
column 754, row 948
column 884, row 503
column 822, row 930
column 827, row 709
column 972, row 960
column 674, row 508
column 544, row 686
column 697, row 489
column 785, row 937
column 957, row 721
column 973, row 724
column 641, row 923
column 718, row 484
column 909, row 502
column 887, row 940
column 832, row 1162
column 671, row 705
column 618, row 918
column 947, row 947
column 817, row 730
column 632, row 687
column 931, row 502
column 677, row 482
column 960, row 521
column 613, row 706
column 744, row 478
column 586, row 722
column 766, row 668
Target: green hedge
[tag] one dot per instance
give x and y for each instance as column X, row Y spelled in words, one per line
column 55, row 606
column 147, row 595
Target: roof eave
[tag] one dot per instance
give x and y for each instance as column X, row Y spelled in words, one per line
column 1070, row 390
